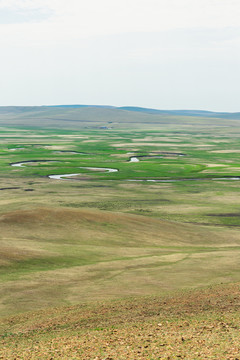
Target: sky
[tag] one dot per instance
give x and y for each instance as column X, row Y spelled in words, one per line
column 163, row 54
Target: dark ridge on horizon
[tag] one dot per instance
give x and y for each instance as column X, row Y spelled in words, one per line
column 167, row 112
column 133, row 109
column 146, row 110
column 197, row 113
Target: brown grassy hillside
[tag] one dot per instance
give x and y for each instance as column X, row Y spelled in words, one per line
column 196, row 324
column 52, row 257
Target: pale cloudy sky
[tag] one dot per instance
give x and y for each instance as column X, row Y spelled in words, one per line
column 165, row 54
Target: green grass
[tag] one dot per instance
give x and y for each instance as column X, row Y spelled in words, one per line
column 199, row 164
column 125, row 250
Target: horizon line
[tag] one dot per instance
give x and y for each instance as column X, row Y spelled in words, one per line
column 125, row 107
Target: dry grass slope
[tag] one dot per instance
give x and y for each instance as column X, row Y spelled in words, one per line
column 52, row 257
column 199, row 324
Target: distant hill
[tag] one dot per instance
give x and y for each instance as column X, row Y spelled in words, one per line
column 201, row 113
column 101, row 116
column 75, row 106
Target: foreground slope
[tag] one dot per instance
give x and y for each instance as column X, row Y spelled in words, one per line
column 196, row 324
column 54, row 256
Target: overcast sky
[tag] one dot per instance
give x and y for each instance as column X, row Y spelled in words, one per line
column 165, row 54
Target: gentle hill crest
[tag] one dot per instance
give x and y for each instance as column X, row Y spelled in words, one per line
column 178, row 112
column 94, row 116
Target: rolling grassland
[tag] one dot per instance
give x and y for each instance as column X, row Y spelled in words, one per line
column 66, row 256
column 119, row 235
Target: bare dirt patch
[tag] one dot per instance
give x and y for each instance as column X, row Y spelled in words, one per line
column 215, row 165
column 91, row 141
column 57, row 147
column 228, row 151
column 157, row 138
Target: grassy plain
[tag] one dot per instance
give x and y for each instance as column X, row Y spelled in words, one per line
column 105, row 236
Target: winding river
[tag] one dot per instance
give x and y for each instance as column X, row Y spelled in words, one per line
column 69, row 152
column 112, row 170
column 133, row 159
column 22, row 163
column 159, row 156
column 64, row 176
column 190, row 179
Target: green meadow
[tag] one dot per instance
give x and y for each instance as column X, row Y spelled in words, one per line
column 187, row 174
